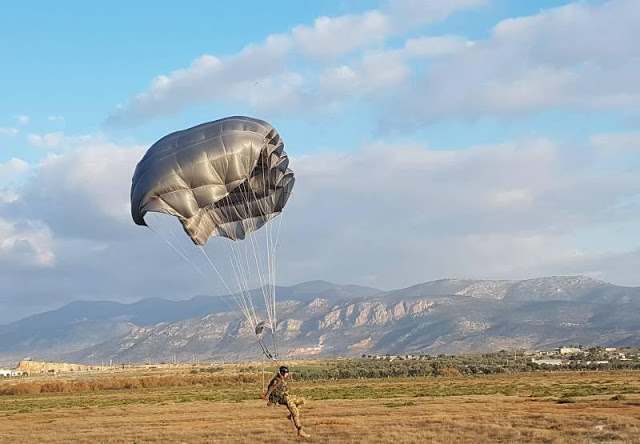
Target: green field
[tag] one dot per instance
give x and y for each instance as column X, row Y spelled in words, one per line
column 198, row 405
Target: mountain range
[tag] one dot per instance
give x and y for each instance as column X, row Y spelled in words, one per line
column 321, row 319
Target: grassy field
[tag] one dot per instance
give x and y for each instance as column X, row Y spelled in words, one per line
column 175, row 406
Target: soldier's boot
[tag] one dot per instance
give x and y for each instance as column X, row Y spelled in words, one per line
column 303, row 434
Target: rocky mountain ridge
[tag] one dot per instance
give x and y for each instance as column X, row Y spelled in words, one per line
column 322, row 319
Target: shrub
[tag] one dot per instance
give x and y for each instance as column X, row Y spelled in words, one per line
column 448, row 372
column 565, row 400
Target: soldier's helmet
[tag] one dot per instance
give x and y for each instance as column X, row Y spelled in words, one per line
column 284, row 369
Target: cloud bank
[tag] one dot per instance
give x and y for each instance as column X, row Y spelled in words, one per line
column 385, row 215
column 580, row 56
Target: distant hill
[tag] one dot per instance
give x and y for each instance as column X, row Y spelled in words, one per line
column 82, row 324
column 323, row 319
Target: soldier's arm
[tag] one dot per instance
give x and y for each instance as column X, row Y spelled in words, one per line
column 273, row 386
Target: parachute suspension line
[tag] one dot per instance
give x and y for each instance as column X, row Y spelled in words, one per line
column 264, row 276
column 246, row 269
column 268, row 289
column 242, row 279
column 259, row 264
column 243, row 291
column 273, row 285
column 254, row 233
column 229, row 291
column 235, row 251
column 275, row 246
column 155, row 223
column 269, row 292
column 200, row 247
column 151, row 220
column 270, row 251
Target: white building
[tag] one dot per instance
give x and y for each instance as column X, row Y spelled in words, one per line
column 6, row 373
column 569, row 350
column 547, row 361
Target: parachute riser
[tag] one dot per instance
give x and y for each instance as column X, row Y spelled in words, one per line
column 265, row 350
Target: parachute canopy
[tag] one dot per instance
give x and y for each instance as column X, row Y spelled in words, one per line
column 223, row 178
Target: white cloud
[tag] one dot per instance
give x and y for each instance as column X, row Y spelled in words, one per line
column 85, row 190
column 505, row 211
column 208, row 78
column 49, row 140
column 57, row 141
column 22, row 119
column 8, row 196
column 9, row 131
column 377, row 74
column 265, row 75
column 333, row 37
column 66, row 231
column 617, row 142
column 13, row 167
column 26, row 242
column 431, row 47
column 374, row 72
column 511, row 198
column 55, row 118
column 580, row 55
column 385, row 215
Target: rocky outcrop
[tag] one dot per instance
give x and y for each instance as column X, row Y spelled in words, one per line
column 330, row 320
column 486, row 289
column 372, row 313
column 290, row 329
column 35, row 367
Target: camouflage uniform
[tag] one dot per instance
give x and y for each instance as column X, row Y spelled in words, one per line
column 278, row 394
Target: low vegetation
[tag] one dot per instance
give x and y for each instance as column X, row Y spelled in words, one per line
column 180, row 405
column 478, row 398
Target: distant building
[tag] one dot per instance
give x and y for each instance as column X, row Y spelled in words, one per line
column 610, row 349
column 547, row 361
column 569, row 350
column 6, row 373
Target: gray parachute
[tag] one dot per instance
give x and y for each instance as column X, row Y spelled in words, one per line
column 223, row 178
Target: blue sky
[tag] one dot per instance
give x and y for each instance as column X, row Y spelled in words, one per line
column 513, row 127
column 78, row 60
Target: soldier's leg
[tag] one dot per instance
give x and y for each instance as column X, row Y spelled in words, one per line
column 299, row 401
column 295, row 413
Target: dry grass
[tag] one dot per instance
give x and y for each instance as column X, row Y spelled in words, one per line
column 502, row 408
